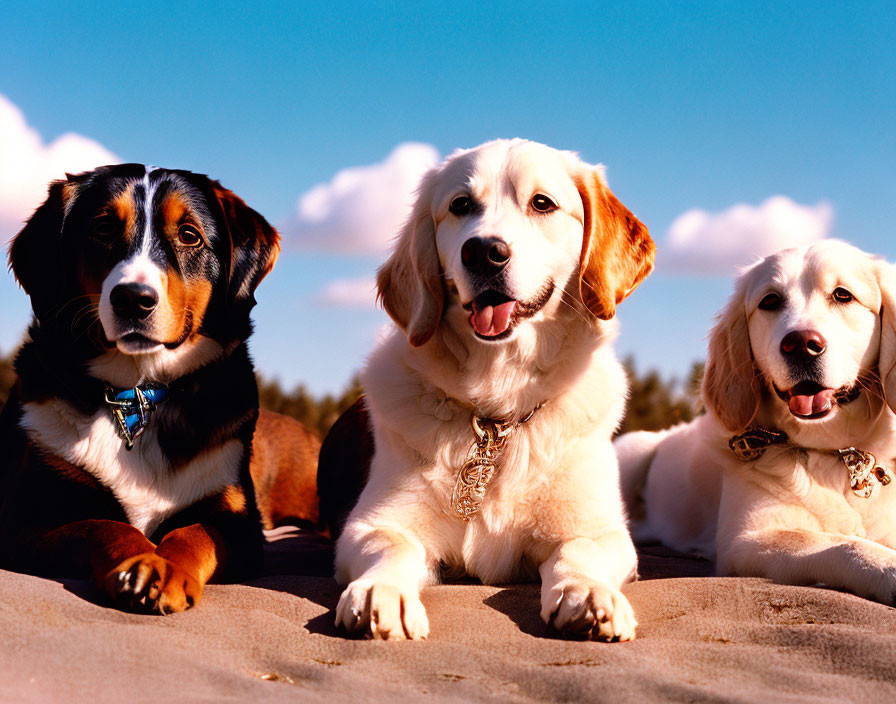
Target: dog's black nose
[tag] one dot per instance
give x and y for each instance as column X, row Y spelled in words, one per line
column 134, row 301
column 485, row 255
column 803, row 344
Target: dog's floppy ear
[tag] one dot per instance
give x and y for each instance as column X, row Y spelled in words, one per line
column 410, row 282
column 35, row 255
column 731, row 385
column 886, row 278
column 256, row 246
column 617, row 250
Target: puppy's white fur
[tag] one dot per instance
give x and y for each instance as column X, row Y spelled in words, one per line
column 143, row 480
column 790, row 516
column 124, row 370
column 553, row 507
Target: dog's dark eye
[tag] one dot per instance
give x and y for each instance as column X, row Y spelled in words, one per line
column 841, row 295
column 462, row 205
column 542, row 203
column 771, row 301
column 106, row 227
column 188, row 236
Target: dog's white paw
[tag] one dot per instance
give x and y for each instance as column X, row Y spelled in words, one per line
column 381, row 611
column 586, row 609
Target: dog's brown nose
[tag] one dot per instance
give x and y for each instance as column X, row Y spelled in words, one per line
column 803, row 344
column 134, row 301
column 485, row 255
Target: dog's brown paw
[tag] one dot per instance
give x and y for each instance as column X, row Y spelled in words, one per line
column 148, row 583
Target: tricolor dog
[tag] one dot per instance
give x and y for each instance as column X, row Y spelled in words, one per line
column 126, row 441
column 494, row 399
column 789, row 474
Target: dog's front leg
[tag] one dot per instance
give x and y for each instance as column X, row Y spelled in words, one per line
column 580, row 584
column 217, row 538
column 120, row 560
column 385, row 568
column 123, row 563
column 858, row 565
column 169, row 578
column 96, row 543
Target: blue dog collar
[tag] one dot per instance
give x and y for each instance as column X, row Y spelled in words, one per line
column 132, row 408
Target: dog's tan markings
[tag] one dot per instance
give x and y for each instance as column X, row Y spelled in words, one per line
column 183, row 306
column 186, row 297
column 284, row 470
column 174, row 207
column 170, row 314
column 196, row 296
column 118, row 217
column 617, row 250
column 409, row 284
column 234, row 499
column 732, row 383
column 69, row 193
column 249, row 229
column 124, row 207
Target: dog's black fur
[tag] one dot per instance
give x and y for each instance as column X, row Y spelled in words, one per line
column 57, row 518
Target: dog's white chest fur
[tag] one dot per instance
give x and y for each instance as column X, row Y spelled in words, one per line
column 142, row 479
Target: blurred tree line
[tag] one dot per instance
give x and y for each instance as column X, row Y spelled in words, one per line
column 316, row 412
column 654, row 402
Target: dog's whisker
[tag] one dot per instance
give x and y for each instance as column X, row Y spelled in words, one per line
column 87, row 310
column 573, row 307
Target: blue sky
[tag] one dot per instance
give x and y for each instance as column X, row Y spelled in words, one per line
column 690, row 106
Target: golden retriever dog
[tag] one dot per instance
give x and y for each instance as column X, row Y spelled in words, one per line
column 787, row 474
column 494, row 400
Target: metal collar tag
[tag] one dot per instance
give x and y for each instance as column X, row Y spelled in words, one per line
column 476, row 473
column 132, row 408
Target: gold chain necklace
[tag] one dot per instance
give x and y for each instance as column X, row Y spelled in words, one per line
column 476, row 473
column 864, row 471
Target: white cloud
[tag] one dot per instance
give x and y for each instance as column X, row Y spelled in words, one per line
column 349, row 293
column 700, row 242
column 27, row 165
column 362, row 208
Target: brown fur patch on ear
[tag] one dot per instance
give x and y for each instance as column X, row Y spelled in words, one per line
column 617, row 250
column 731, row 385
column 886, row 278
column 69, row 193
column 410, row 284
column 256, row 245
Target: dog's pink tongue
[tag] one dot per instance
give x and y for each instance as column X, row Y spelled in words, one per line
column 810, row 405
column 489, row 321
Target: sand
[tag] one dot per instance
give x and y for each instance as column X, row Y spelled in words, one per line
column 701, row 638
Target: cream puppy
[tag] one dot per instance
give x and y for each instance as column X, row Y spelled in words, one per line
column 799, row 376
column 502, row 285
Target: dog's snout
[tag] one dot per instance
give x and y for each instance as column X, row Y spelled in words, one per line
column 133, row 300
column 485, row 255
column 803, row 344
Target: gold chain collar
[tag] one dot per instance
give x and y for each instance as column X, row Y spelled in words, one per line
column 864, row 471
column 476, row 473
